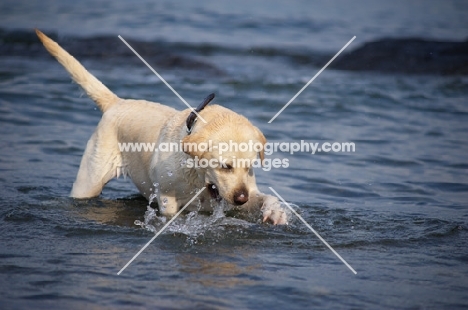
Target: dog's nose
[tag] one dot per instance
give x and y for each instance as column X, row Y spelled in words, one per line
column 241, row 197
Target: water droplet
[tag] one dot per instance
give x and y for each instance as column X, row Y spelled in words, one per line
column 156, row 185
column 169, row 173
column 165, row 200
column 214, row 187
column 152, row 196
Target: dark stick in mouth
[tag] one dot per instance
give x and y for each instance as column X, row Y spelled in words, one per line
column 213, row 189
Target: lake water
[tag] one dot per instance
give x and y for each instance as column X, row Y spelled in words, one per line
column 396, row 209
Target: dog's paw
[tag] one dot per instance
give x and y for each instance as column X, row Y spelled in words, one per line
column 273, row 211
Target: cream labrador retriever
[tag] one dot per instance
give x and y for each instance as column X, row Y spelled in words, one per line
column 167, row 175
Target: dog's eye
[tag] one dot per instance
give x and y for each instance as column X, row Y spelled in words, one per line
column 226, row 167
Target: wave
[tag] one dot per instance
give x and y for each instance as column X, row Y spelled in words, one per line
column 409, row 55
column 388, row 55
column 23, row 43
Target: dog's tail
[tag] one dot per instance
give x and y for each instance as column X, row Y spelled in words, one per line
column 97, row 91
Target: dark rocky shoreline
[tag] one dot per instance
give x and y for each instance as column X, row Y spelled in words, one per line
column 412, row 55
column 403, row 55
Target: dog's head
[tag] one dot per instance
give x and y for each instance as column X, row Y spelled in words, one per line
column 226, row 148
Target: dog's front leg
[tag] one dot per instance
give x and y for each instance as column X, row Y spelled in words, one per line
column 273, row 211
column 167, row 205
column 269, row 207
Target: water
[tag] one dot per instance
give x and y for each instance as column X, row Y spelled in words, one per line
column 396, row 209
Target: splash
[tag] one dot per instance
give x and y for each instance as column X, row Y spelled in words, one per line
column 197, row 224
column 194, row 224
column 151, row 214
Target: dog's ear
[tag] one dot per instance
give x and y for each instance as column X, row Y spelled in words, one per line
column 191, row 145
column 261, row 138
